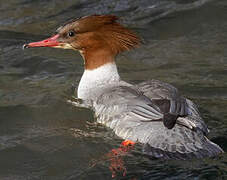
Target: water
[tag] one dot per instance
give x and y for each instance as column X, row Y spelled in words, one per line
column 42, row 137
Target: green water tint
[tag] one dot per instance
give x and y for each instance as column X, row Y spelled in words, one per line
column 42, row 137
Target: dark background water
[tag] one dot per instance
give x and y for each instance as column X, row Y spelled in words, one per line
column 42, row 137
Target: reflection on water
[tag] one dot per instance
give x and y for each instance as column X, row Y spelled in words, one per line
column 43, row 137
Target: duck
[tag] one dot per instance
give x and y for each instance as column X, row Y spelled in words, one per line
column 151, row 113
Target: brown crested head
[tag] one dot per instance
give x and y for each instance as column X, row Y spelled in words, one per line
column 99, row 38
column 97, row 31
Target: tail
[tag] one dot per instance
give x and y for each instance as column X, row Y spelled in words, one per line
column 212, row 148
column 209, row 149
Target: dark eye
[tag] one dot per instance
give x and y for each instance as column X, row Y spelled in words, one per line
column 71, row 33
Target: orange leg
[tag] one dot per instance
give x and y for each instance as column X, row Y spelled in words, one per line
column 116, row 158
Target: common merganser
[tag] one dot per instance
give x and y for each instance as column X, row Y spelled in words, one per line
column 152, row 113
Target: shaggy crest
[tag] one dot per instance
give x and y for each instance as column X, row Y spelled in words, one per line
column 105, row 28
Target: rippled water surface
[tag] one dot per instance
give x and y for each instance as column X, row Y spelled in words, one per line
column 42, row 137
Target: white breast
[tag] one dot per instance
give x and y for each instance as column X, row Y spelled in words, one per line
column 93, row 80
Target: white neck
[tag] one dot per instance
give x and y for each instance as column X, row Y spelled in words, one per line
column 93, row 80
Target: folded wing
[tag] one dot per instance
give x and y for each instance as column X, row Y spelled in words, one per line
column 137, row 114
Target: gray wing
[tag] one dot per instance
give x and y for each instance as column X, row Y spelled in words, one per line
column 134, row 116
column 178, row 105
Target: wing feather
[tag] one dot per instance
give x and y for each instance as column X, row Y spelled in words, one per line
column 133, row 114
